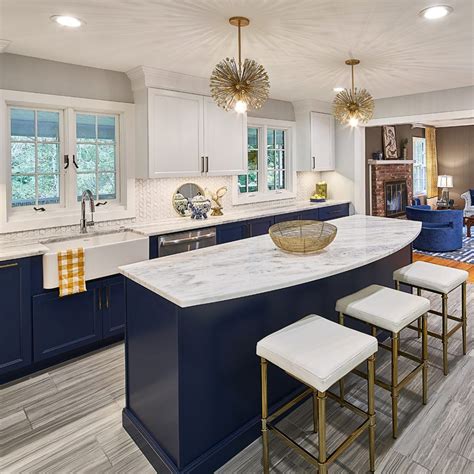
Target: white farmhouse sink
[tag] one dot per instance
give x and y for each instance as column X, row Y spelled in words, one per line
column 103, row 254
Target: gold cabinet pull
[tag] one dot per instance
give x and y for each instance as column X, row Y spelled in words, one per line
column 8, row 265
column 100, row 299
column 107, row 297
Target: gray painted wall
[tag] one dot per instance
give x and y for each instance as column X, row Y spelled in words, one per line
column 448, row 100
column 23, row 73
column 275, row 109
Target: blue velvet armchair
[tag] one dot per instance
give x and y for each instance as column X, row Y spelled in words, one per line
column 441, row 231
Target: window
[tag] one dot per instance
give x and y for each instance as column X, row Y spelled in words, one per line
column 96, row 148
column 419, row 166
column 35, row 150
column 269, row 163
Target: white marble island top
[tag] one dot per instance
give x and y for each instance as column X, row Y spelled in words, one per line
column 252, row 266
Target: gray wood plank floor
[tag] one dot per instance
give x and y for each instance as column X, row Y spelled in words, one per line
column 68, row 419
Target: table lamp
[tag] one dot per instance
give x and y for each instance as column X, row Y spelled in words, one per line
column 445, row 181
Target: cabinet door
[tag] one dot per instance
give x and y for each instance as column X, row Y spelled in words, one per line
column 232, row 232
column 260, row 226
column 225, row 140
column 15, row 315
column 113, row 304
column 175, row 134
column 322, row 142
column 63, row 324
column 292, row 216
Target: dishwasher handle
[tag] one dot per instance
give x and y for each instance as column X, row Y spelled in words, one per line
column 186, row 240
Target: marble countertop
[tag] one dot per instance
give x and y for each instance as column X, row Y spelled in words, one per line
column 179, row 224
column 21, row 248
column 252, row 266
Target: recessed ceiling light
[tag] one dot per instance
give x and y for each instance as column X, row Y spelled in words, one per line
column 435, row 12
column 66, row 20
column 338, row 89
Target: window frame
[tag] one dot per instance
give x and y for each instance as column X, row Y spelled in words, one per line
column 67, row 213
column 415, row 166
column 62, row 187
column 266, row 195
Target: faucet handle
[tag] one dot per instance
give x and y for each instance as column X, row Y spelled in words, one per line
column 100, row 203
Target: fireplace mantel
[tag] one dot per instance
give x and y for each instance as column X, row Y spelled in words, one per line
column 390, row 162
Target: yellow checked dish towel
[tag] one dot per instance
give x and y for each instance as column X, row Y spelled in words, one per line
column 71, row 273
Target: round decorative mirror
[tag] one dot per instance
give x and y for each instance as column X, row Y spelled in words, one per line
column 183, row 195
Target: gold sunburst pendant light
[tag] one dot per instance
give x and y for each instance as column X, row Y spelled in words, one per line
column 239, row 86
column 353, row 106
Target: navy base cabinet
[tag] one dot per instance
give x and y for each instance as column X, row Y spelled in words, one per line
column 15, row 315
column 65, row 324
column 232, row 232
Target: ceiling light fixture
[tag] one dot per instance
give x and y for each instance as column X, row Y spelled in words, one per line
column 435, row 12
column 353, row 106
column 239, row 86
column 66, row 20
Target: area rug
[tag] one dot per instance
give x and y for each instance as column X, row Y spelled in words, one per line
column 464, row 254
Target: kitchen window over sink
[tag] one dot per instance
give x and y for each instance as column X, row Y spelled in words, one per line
column 55, row 148
column 270, row 174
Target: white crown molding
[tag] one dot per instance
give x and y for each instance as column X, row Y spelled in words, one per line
column 4, row 45
column 143, row 77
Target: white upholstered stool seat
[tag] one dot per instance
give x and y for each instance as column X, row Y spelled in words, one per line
column 317, row 351
column 430, row 276
column 383, row 307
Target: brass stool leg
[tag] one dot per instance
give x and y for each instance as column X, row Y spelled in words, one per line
column 464, row 318
column 266, row 452
column 341, row 382
column 394, row 388
column 323, row 468
column 315, row 411
column 445, row 333
column 371, row 410
column 418, row 292
column 397, row 285
column 424, row 357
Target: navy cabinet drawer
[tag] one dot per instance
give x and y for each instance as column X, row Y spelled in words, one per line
column 333, row 212
column 260, row 226
column 15, row 315
column 113, row 306
column 312, row 215
column 64, row 324
column 291, row 216
column 232, row 232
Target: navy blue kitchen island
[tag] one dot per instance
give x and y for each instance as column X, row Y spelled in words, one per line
column 193, row 321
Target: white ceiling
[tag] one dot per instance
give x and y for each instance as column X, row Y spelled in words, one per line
column 301, row 43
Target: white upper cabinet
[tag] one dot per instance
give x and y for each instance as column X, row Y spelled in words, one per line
column 322, row 142
column 181, row 134
column 175, row 134
column 225, row 140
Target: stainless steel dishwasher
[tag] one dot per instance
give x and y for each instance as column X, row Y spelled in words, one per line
column 171, row 244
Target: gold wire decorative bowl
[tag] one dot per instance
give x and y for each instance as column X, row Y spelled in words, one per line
column 302, row 236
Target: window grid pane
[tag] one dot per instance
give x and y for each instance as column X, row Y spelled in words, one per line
column 249, row 183
column 34, row 155
column 97, row 155
column 276, row 139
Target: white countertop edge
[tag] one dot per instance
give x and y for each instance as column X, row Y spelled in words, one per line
column 201, row 300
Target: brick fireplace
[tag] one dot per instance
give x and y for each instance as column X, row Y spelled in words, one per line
column 383, row 173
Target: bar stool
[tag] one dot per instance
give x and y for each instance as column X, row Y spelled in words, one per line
column 317, row 352
column 442, row 281
column 389, row 310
